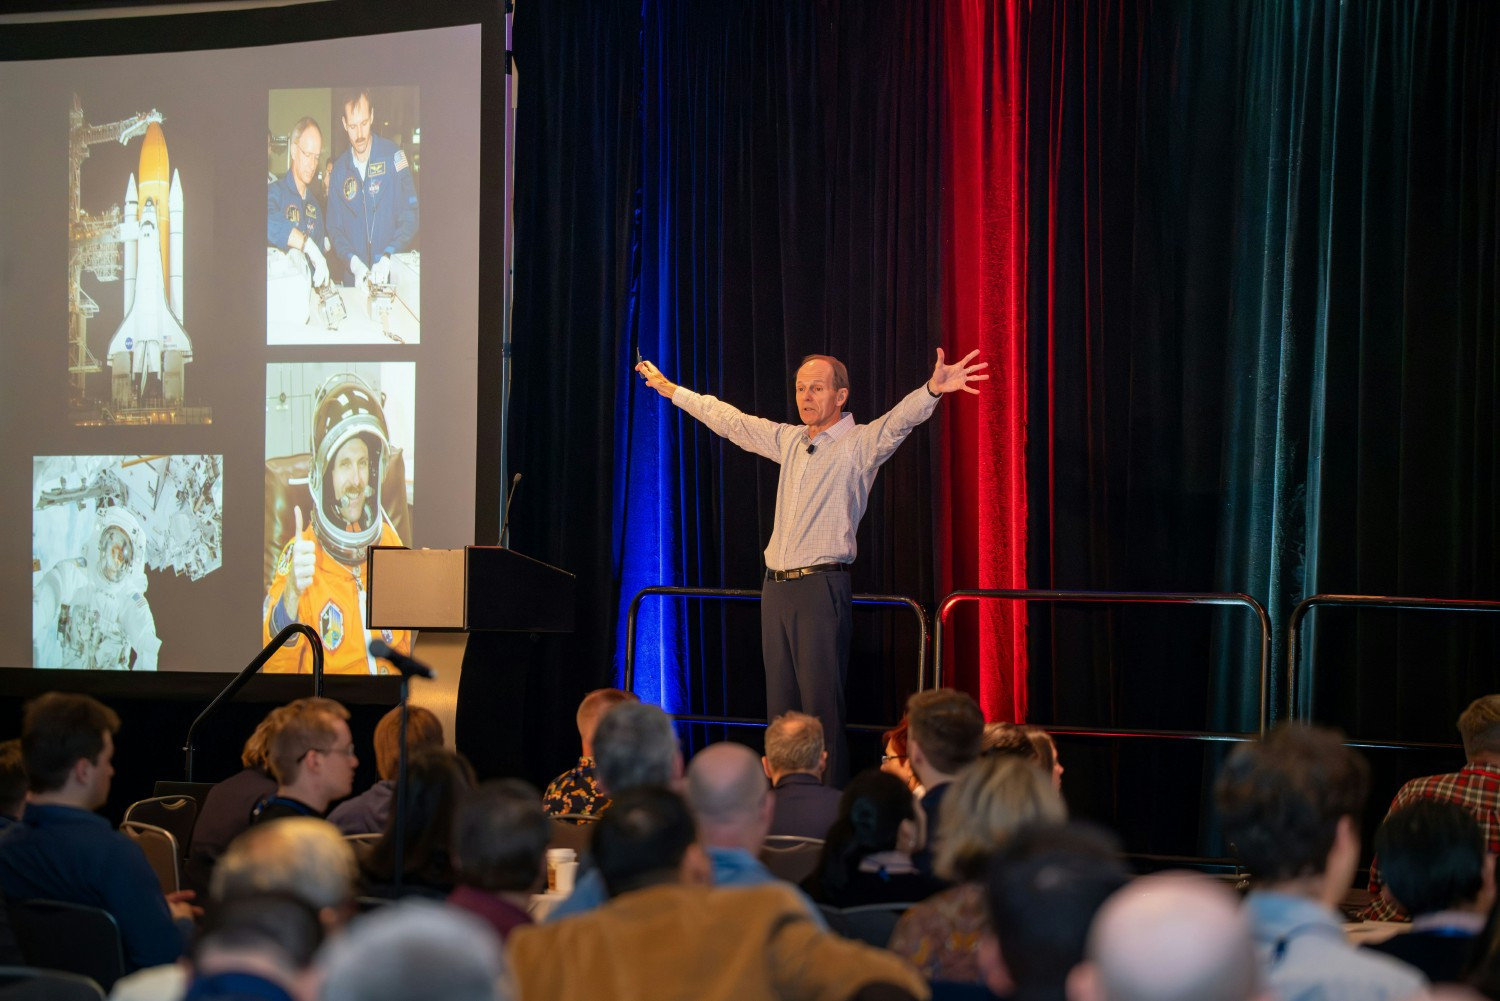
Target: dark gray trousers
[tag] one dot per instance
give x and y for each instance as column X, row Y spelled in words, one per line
column 805, row 627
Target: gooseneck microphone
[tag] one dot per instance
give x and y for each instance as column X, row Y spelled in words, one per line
column 515, row 481
column 382, row 650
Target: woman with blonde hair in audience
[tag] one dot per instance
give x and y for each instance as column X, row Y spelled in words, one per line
column 990, row 800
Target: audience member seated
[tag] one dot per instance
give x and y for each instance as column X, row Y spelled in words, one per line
column 499, row 853
column 438, row 779
column 1169, row 937
column 225, row 811
column 795, row 762
column 12, row 783
column 1475, row 787
column 62, row 850
column 896, row 758
column 991, row 800
column 666, row 934
column 312, row 757
column 368, row 812
column 1046, row 749
column 416, row 949
column 867, row 856
column 634, row 746
column 576, row 791
column 1290, row 805
column 302, row 856
column 259, row 947
column 1042, row 891
column 1008, row 738
column 946, row 730
column 1436, row 870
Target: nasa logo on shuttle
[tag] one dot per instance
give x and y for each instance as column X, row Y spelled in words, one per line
column 351, row 188
column 129, row 343
column 331, row 625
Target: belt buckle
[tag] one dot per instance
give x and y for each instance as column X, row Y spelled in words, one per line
column 793, row 574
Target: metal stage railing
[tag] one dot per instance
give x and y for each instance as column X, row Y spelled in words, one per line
column 1307, row 604
column 749, row 594
column 1132, row 598
column 239, row 681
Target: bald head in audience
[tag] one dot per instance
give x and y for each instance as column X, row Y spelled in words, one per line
column 1168, row 937
column 730, row 797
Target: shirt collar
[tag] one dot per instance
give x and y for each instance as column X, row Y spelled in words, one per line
column 797, row 779
column 39, row 813
column 843, row 426
column 1273, row 915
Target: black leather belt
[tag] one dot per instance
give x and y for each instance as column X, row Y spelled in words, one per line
column 796, row 572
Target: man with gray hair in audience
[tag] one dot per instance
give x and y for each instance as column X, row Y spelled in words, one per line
column 1173, row 936
column 416, row 949
column 795, row 762
column 634, row 746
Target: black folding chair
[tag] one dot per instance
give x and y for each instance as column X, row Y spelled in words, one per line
column 27, row 983
column 177, row 814
column 791, row 857
column 74, row 938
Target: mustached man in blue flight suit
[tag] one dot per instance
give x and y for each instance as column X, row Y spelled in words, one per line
column 294, row 220
column 372, row 202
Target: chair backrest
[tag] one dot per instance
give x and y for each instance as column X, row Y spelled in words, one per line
column 161, row 851
column 28, row 983
column 177, row 814
column 869, row 923
column 790, row 857
column 363, row 839
column 74, row 938
column 574, row 831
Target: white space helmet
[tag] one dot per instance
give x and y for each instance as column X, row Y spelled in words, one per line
column 117, row 551
column 345, row 407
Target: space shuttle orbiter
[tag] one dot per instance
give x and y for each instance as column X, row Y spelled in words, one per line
column 151, row 339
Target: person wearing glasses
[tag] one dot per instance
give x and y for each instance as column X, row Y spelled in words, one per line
column 313, row 760
column 294, row 219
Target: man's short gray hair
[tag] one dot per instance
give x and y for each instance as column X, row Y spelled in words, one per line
column 303, row 856
column 635, row 746
column 794, row 743
column 415, row 949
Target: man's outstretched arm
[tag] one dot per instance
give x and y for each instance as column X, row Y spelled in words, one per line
column 887, row 433
column 753, row 434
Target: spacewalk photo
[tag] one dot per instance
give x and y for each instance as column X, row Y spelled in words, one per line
column 103, row 527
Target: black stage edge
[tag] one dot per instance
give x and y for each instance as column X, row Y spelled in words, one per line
column 156, row 709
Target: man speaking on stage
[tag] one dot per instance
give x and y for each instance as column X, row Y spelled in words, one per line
column 828, row 466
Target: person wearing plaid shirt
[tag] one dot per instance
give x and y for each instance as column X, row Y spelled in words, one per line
column 828, row 465
column 1475, row 787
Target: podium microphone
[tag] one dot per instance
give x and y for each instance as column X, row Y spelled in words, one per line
column 400, row 661
column 515, row 481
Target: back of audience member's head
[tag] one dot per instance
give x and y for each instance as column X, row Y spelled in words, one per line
column 947, row 725
column 273, row 935
column 500, row 837
column 1281, row 800
column 423, row 729
column 437, row 779
column 60, row 729
column 415, row 949
column 1043, row 890
column 727, row 789
column 12, row 778
column 635, row 746
column 1169, row 937
column 593, row 709
column 988, row 802
column 300, row 726
column 1432, row 857
column 794, row 743
column 643, row 838
column 871, row 811
column 1008, row 739
column 1479, row 726
column 304, row 856
column 257, row 750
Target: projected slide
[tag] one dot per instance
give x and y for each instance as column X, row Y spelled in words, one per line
column 343, row 216
column 215, row 362
column 102, row 526
column 340, row 477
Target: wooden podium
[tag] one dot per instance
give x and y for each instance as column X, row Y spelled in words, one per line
column 480, row 611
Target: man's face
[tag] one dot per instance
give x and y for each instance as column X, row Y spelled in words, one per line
column 817, row 401
column 351, row 479
column 306, row 152
column 100, row 774
column 357, row 119
column 339, row 762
